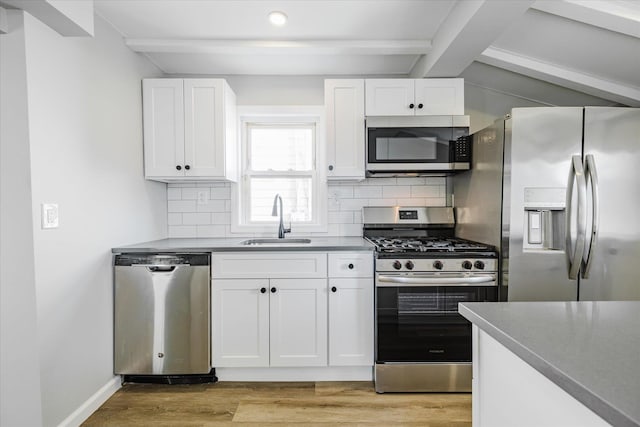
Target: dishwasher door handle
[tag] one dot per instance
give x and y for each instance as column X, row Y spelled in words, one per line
column 159, row 268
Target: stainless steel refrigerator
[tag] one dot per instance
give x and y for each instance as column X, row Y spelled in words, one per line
column 557, row 190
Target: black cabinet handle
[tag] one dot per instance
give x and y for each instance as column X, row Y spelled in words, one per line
column 273, row 290
column 411, row 105
column 330, row 167
column 179, row 167
column 187, row 167
column 334, row 289
column 263, row 290
column 350, row 266
column 419, row 105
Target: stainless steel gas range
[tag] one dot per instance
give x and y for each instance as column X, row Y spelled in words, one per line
column 422, row 272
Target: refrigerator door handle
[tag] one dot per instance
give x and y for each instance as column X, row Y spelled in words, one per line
column 592, row 175
column 576, row 174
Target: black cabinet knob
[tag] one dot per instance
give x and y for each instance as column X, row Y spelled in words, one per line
column 334, row 289
column 179, row 167
column 411, row 105
column 273, row 290
column 263, row 290
column 350, row 266
column 330, row 167
column 419, row 105
column 187, row 167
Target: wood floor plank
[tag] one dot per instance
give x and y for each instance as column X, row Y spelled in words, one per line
column 238, row 404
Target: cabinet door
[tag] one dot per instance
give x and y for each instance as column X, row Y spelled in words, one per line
column 344, row 104
column 204, row 128
column 163, row 114
column 298, row 314
column 351, row 322
column 439, row 97
column 240, row 323
column 389, row 97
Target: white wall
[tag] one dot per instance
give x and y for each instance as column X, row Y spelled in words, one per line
column 85, row 140
column 19, row 366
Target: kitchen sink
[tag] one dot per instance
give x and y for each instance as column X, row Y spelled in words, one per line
column 274, row 241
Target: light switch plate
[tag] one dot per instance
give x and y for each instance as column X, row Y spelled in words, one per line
column 49, row 215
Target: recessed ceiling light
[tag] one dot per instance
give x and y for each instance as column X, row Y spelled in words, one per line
column 278, row 18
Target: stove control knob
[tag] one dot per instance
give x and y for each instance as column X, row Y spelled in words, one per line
column 479, row 265
column 409, row 265
column 438, row 265
column 397, row 265
column 467, row 265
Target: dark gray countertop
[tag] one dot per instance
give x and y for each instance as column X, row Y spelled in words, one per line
column 589, row 349
column 234, row 244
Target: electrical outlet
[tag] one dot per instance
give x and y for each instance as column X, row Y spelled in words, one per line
column 203, row 198
column 49, row 215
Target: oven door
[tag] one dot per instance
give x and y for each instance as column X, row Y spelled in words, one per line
column 417, row 316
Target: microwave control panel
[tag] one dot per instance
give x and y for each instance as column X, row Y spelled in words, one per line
column 461, row 149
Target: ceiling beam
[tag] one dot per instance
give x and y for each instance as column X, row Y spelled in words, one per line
column 610, row 15
column 470, row 28
column 555, row 74
column 282, row 47
column 67, row 18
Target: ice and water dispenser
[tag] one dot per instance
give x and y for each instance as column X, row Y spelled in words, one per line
column 544, row 218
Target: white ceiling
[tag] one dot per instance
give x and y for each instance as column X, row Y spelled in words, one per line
column 592, row 46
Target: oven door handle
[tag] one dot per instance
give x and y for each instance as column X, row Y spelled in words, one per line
column 435, row 281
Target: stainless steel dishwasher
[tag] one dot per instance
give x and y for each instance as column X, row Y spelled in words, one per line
column 162, row 314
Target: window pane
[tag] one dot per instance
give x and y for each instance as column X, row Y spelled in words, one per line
column 281, row 148
column 296, row 198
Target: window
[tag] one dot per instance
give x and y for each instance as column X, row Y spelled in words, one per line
column 280, row 155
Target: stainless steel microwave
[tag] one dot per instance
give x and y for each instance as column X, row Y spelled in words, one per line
column 419, row 145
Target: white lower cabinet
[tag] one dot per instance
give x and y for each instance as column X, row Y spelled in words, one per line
column 269, row 322
column 298, row 322
column 286, row 322
column 351, row 309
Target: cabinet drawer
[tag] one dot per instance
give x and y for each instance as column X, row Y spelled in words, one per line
column 351, row 264
column 269, row 265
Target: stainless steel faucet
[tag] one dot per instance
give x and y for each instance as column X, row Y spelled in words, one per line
column 281, row 229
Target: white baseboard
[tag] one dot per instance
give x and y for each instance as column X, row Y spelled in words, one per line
column 350, row 373
column 85, row 410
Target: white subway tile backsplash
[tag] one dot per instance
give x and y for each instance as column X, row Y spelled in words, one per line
column 212, row 206
column 396, row 191
column 174, row 193
column 367, row 192
column 174, row 219
column 191, row 193
column 189, row 218
column 196, row 218
column 211, row 231
column 427, row 191
column 341, row 217
column 181, row 206
column 221, row 192
column 182, row 231
column 382, row 202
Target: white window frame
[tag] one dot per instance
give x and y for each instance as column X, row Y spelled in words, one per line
column 273, row 115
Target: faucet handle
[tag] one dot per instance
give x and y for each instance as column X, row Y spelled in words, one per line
column 288, row 230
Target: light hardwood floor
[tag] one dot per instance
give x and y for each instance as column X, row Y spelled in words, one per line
column 274, row 404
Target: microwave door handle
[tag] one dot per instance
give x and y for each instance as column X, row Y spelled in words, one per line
column 592, row 175
column 576, row 173
column 434, row 281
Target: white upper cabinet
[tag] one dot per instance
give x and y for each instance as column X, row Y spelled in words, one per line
column 189, row 130
column 344, row 105
column 414, row 97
